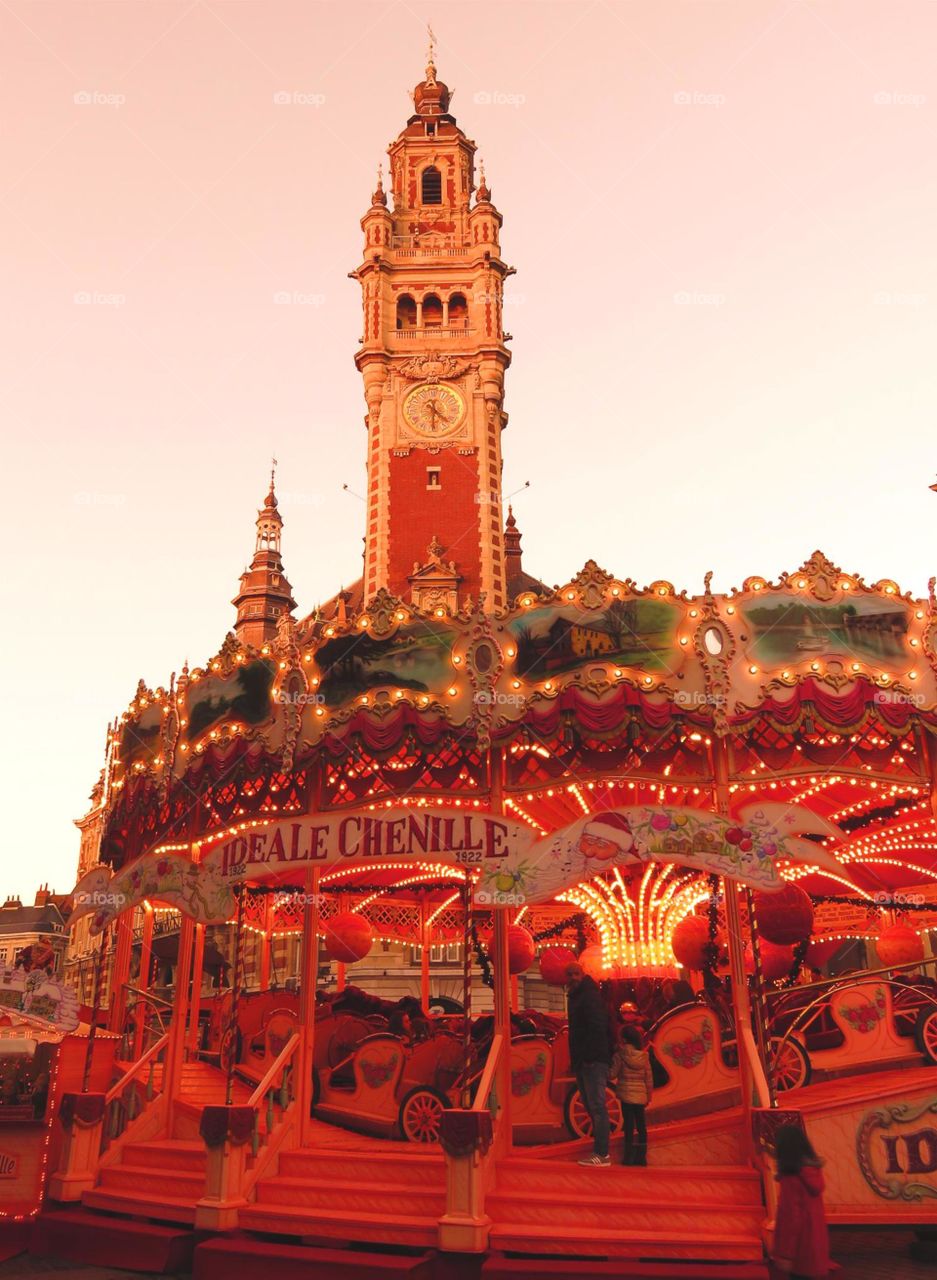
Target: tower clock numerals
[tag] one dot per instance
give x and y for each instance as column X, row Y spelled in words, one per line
column 434, row 410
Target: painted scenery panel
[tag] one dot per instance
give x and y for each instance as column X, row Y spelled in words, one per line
column 867, row 628
column 243, row 698
column 417, row 656
column 139, row 739
column 634, row 633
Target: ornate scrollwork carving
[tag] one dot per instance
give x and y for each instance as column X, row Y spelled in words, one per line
column 431, row 366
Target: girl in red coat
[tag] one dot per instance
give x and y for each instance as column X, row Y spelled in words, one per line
column 801, row 1241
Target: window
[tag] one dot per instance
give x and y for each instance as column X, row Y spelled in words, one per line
column 430, row 130
column 458, row 311
column 432, row 185
column 433, row 478
column 406, row 312
column 432, row 312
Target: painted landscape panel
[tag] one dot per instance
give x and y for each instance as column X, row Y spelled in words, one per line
column 789, row 629
column 634, row 633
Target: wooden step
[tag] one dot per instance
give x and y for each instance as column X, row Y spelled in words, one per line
column 402, row 1166
column 334, row 1224
column 615, row 1213
column 169, row 1153
column 719, row 1184
column 368, row 1197
column 240, row 1257
column 588, row 1241
column 159, row 1184
column 498, row 1267
column 97, row 1240
column 137, row 1204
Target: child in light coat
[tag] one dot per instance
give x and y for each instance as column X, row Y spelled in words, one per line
column 634, row 1086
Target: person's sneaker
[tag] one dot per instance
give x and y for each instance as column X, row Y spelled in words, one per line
column 597, row 1162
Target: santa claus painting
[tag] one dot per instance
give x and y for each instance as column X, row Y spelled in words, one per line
column 606, row 836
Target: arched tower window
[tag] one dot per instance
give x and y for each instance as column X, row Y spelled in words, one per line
column 458, row 311
column 431, row 185
column 406, row 312
column 432, row 312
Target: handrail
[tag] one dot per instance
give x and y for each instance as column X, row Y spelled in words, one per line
column 487, row 1077
column 277, row 1065
column 857, row 975
column 759, row 1079
column 134, row 1069
column 147, row 995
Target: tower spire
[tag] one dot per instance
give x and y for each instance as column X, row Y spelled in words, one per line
column 265, row 593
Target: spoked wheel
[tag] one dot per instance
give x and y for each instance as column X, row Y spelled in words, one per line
column 578, row 1120
column 789, row 1062
column 421, row 1114
column 925, row 1033
column 906, row 1010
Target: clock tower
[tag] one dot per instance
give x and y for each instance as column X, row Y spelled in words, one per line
column 432, row 358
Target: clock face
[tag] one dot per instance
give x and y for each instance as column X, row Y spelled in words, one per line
column 434, row 410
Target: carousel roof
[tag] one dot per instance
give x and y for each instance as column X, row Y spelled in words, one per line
column 815, row 689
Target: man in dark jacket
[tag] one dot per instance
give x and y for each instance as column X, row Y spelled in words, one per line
column 590, row 1053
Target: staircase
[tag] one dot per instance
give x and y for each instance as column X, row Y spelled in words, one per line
column 388, row 1194
column 162, row 1179
column 702, row 1213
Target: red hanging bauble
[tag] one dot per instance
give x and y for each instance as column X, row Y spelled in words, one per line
column 348, row 937
column 521, row 948
column 784, row 915
column 553, row 962
column 898, row 944
column 690, row 940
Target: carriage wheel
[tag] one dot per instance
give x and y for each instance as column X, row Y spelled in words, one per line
column 578, row 1120
column 421, row 1114
column 906, row 1011
column 790, row 1065
column 925, row 1033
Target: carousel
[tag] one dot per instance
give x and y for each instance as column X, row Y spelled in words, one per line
column 725, row 816
column 721, row 805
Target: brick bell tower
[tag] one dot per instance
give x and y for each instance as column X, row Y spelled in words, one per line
column 433, row 357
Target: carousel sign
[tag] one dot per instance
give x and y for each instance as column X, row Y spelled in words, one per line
column 508, row 864
column 897, row 1150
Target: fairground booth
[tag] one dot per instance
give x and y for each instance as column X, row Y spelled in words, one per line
column 340, row 869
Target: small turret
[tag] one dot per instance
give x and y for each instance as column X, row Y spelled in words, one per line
column 265, row 593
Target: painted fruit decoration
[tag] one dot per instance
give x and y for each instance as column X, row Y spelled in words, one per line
column 784, row 916
column 521, row 949
column 553, row 962
column 899, row 944
column 348, row 937
column 690, row 942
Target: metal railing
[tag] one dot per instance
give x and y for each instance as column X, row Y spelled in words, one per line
column 126, row 1099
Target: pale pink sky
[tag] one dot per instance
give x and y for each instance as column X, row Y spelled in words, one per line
column 723, row 219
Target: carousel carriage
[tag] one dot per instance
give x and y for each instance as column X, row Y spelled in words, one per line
column 392, row 1088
